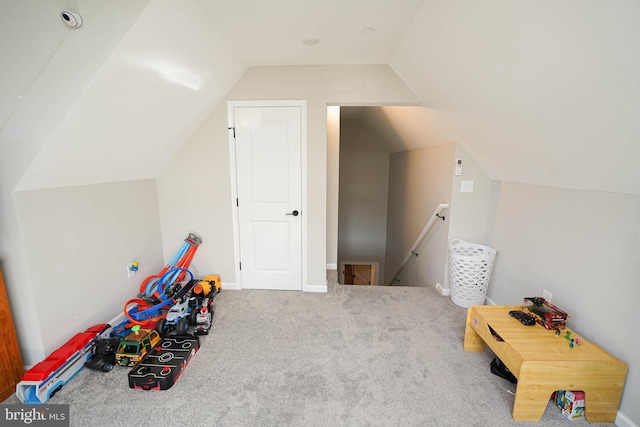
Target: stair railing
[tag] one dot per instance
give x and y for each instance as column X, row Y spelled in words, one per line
column 413, row 253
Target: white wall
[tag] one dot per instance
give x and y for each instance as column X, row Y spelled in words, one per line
column 364, row 181
column 78, row 242
column 47, row 94
column 194, row 196
column 419, row 180
column 469, row 212
column 207, row 155
column 583, row 247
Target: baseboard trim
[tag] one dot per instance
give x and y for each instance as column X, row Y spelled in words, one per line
column 444, row 292
column 117, row 320
column 235, row 287
column 623, row 421
column 315, row 288
column 489, row 301
column 332, row 266
column 231, row 286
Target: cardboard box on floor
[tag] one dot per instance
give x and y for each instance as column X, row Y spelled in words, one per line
column 571, row 404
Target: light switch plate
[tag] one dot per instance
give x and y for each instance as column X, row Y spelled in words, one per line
column 466, row 186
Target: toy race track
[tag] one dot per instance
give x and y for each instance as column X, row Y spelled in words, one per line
column 162, row 360
column 162, row 367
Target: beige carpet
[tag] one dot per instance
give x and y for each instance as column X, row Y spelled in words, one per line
column 356, row 356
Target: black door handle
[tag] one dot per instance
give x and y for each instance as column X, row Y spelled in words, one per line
column 294, row 213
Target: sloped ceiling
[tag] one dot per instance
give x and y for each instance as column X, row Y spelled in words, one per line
column 46, row 67
column 157, row 85
column 542, row 92
column 40, row 55
column 163, row 73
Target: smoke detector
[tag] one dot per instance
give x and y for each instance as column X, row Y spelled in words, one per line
column 72, row 19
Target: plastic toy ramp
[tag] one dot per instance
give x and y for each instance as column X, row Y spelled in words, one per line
column 174, row 271
column 162, row 367
column 154, row 297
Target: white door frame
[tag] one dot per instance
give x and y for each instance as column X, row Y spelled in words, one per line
column 234, row 181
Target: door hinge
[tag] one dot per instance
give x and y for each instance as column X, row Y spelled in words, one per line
column 237, row 203
column 234, row 131
column 240, row 265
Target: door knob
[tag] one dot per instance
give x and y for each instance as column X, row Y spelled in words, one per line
column 294, row 213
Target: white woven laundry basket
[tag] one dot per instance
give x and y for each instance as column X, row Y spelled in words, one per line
column 470, row 267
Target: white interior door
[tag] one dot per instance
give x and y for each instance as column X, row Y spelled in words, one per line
column 269, row 185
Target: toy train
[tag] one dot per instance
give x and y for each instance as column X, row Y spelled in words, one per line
column 44, row 379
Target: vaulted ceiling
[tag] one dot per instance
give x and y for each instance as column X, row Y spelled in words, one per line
column 543, row 92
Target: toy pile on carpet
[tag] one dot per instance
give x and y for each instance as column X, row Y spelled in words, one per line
column 157, row 338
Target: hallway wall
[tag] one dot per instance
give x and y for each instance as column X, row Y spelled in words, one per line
column 419, row 180
column 364, row 181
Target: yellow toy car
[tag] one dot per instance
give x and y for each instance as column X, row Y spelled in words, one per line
column 135, row 345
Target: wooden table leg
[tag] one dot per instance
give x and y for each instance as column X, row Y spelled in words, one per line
column 530, row 402
column 601, row 404
column 472, row 341
column 538, row 380
column 532, row 393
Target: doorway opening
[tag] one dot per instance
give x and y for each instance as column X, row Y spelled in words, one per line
column 359, row 273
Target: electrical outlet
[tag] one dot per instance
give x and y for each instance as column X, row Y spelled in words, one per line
column 546, row 295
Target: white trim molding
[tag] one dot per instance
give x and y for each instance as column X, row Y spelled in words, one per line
column 323, row 289
column 623, row 421
column 444, row 292
column 231, row 287
column 315, row 288
column 489, row 301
